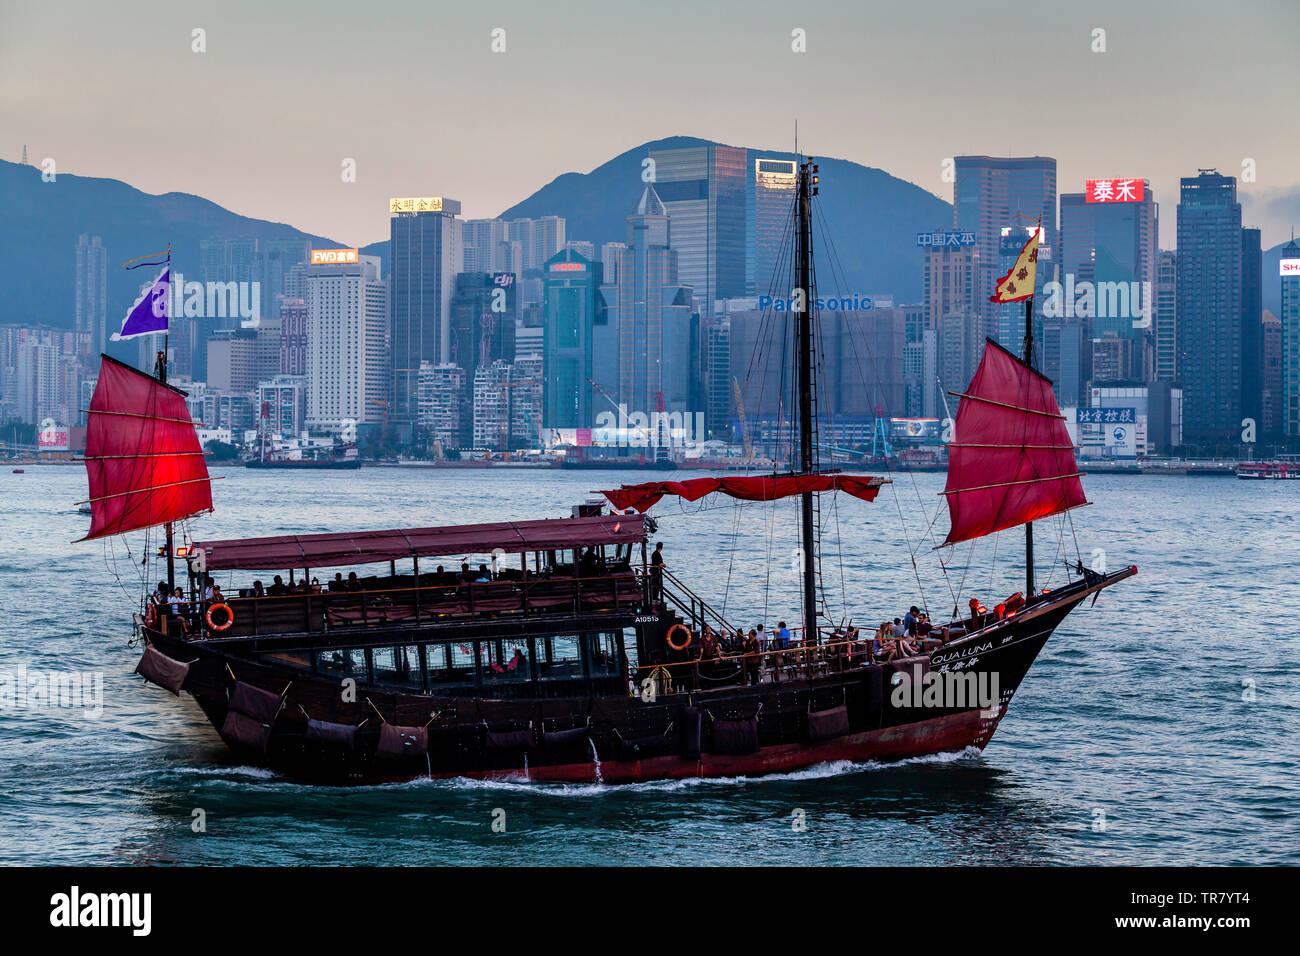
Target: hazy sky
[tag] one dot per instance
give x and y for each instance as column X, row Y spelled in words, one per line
column 262, row 121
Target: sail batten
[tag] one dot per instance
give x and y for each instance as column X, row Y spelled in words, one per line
column 143, row 459
column 1015, row 461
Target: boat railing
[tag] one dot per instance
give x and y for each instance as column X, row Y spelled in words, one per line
column 320, row 611
column 797, row 661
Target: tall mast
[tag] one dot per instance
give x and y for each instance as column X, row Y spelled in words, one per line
column 1029, row 525
column 161, row 370
column 804, row 353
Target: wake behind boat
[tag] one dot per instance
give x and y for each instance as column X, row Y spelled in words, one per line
column 565, row 648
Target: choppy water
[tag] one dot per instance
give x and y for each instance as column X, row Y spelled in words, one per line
column 1130, row 742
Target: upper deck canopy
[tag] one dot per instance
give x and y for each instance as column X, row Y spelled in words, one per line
column 366, row 547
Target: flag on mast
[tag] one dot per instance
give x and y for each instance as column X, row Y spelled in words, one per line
column 150, row 313
column 1018, row 284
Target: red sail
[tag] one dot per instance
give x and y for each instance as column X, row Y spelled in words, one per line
column 756, row 488
column 1011, row 459
column 142, row 454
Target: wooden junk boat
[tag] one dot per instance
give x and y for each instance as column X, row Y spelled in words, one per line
column 576, row 659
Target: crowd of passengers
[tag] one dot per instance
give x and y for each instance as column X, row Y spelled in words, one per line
column 760, row 651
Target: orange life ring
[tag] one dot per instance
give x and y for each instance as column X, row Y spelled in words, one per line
column 230, row 618
column 684, row 644
column 151, row 615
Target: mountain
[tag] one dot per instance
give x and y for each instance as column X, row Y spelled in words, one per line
column 872, row 217
column 38, row 258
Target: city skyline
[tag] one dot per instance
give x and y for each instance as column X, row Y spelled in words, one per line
column 889, row 107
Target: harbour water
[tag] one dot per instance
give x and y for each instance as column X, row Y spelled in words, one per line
column 1161, row 726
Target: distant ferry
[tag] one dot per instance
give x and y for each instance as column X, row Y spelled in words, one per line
column 1288, row 466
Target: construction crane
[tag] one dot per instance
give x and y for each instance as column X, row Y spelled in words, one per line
column 744, row 422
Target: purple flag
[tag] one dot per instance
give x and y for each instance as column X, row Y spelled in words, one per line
column 149, row 314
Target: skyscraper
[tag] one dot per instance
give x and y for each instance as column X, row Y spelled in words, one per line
column 537, row 241
column 992, row 193
column 347, row 326
column 1112, row 243
column 293, row 336
column 1270, row 423
column 425, row 247
column 1165, row 321
column 1290, row 319
column 703, row 190
column 1209, row 306
column 484, row 311
column 952, row 310
column 92, row 291
column 485, row 246
column 649, row 312
column 573, row 310
column 769, row 253
column 1252, row 331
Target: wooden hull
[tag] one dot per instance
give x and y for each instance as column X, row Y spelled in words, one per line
column 465, row 732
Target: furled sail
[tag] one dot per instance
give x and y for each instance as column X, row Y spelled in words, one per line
column 142, row 454
column 1011, row 459
column 749, row 488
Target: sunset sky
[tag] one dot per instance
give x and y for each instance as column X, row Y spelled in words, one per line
column 286, row 92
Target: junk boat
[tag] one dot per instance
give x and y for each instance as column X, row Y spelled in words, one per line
column 576, row 656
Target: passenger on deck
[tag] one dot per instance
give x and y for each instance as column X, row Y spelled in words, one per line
column 277, row 587
column 751, row 660
column 762, row 639
column 466, row 575
column 910, row 619
column 176, row 607
column 338, row 584
column 441, row 578
column 657, row 572
column 899, row 630
column 887, row 645
column 587, row 567
column 208, row 585
column 214, row 595
column 708, row 645
column 258, row 590
column 484, row 575
column 354, row 582
column 160, row 595
column 782, row 636
column 518, row 662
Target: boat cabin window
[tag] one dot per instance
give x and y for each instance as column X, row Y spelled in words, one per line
column 559, row 658
column 397, row 665
column 500, row 661
column 342, row 663
column 602, row 652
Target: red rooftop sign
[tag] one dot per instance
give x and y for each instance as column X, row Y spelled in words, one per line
column 1113, row 190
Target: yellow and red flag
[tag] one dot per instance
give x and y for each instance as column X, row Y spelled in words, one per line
column 1018, row 284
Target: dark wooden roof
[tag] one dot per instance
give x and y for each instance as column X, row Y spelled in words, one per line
column 366, row 547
